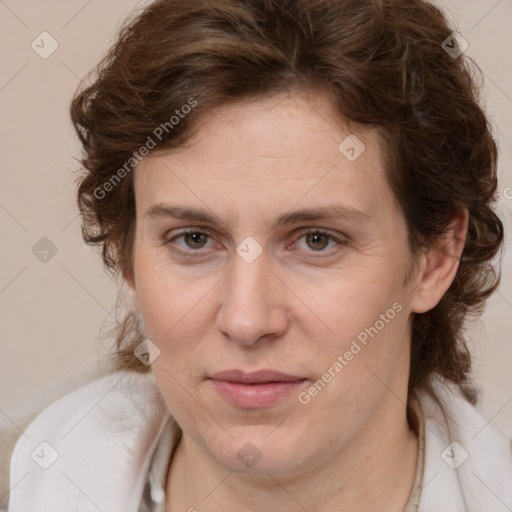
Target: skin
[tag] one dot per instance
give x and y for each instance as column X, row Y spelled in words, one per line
column 295, row 309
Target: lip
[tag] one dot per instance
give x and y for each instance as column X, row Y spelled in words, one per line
column 252, row 390
column 256, row 377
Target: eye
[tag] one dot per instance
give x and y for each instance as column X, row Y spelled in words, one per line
column 318, row 241
column 193, row 240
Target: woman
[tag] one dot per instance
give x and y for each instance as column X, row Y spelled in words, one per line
column 298, row 196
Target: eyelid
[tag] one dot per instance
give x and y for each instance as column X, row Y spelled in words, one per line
column 306, row 230
column 190, row 252
column 340, row 239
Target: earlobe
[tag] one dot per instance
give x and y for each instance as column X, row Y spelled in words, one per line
column 439, row 265
column 130, row 283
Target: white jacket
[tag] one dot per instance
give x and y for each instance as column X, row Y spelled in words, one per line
column 97, row 442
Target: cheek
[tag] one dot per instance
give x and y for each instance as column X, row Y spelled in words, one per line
column 344, row 304
column 164, row 294
column 363, row 321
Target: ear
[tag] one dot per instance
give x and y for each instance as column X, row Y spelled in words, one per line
column 439, row 265
column 129, row 279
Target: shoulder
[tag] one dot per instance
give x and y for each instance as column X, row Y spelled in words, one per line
column 10, row 432
column 468, row 463
column 114, row 394
column 114, row 399
column 97, row 437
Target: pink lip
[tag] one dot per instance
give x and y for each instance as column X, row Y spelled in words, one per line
column 255, row 389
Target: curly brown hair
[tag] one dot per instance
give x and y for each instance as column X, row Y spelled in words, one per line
column 384, row 62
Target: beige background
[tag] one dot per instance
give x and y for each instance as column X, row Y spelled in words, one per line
column 52, row 313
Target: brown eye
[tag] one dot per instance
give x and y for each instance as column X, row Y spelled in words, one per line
column 317, row 241
column 195, row 240
column 189, row 243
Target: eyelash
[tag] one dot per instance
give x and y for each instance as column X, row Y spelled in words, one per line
column 341, row 241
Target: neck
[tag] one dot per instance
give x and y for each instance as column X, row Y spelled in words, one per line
column 375, row 471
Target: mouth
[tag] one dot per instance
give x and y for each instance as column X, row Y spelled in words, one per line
column 253, row 390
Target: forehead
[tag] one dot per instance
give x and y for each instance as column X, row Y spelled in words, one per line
column 291, row 147
column 269, row 128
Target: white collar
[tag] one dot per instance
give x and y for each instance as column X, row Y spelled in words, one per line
column 106, row 433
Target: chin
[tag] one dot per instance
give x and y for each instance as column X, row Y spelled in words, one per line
column 261, row 450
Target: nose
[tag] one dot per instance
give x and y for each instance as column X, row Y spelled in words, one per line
column 252, row 308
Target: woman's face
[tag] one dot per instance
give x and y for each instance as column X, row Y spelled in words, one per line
column 250, row 290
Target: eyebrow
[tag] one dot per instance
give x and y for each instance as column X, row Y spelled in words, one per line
column 324, row 213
